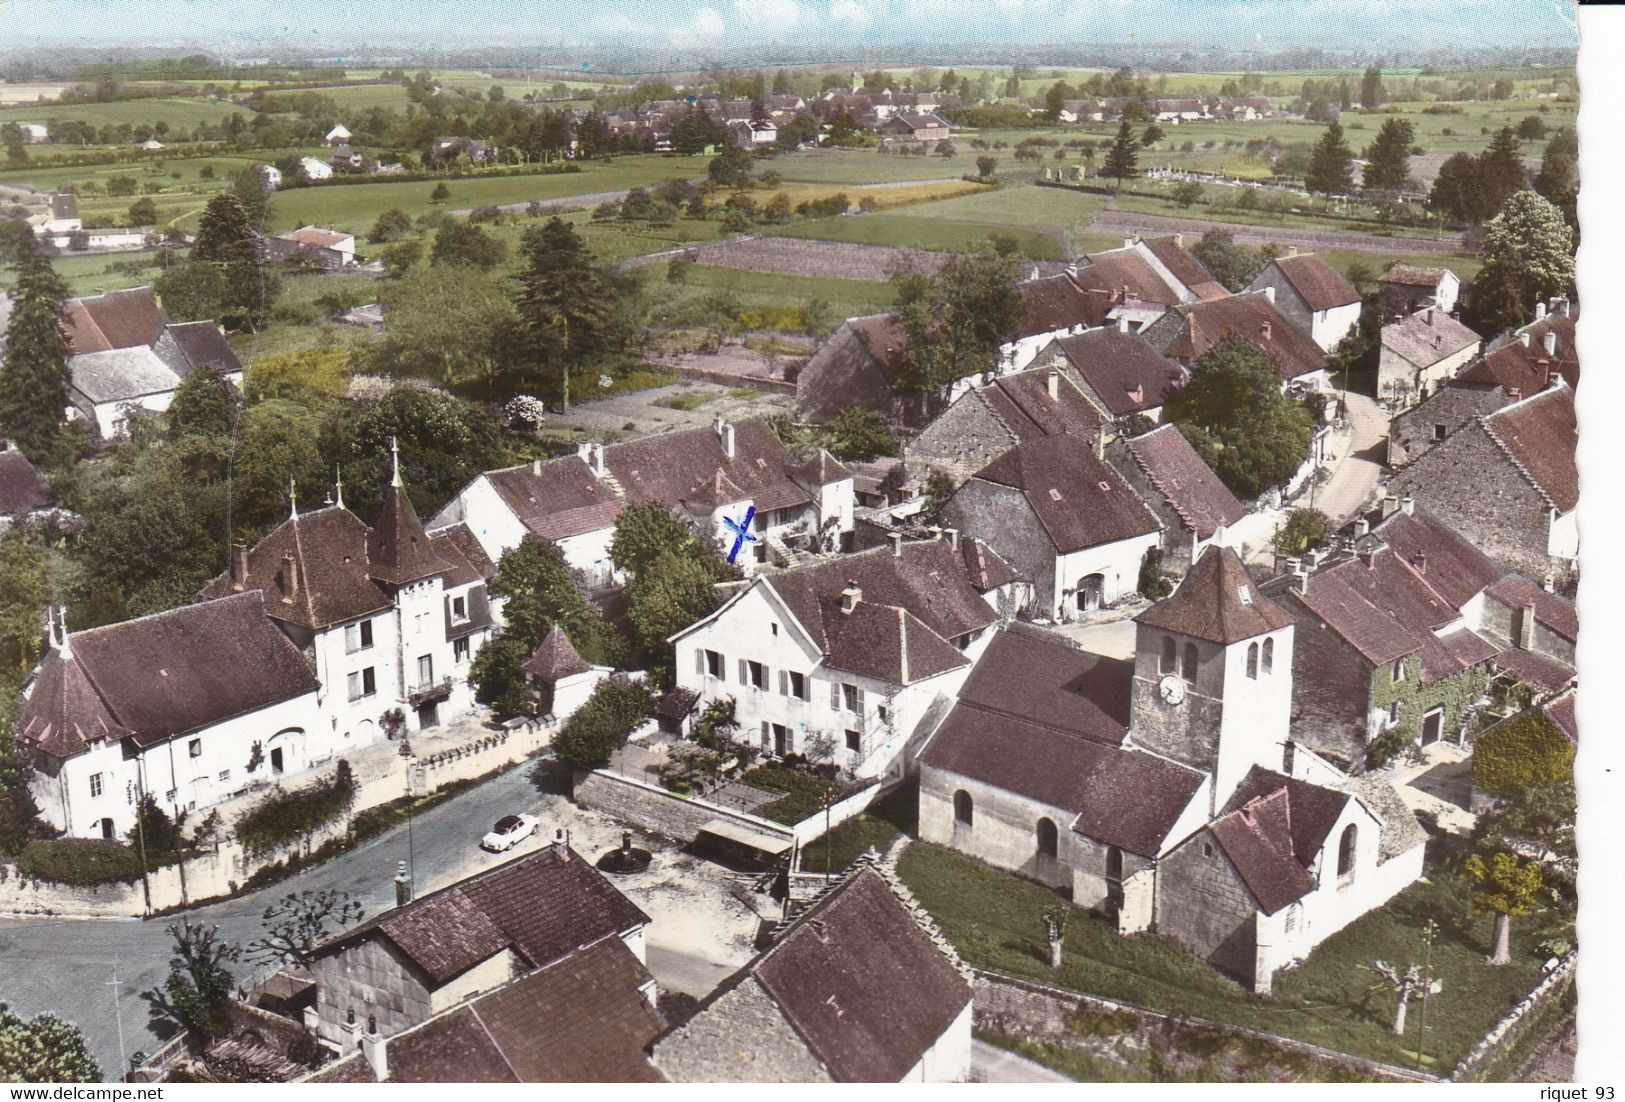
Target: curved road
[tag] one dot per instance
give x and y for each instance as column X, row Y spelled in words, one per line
column 65, row 966
column 1355, row 477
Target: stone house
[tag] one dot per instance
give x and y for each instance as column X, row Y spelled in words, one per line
column 857, row 367
column 390, row 617
column 1063, row 519
column 1121, row 374
column 1405, row 289
column 1508, row 481
column 1186, row 333
column 561, row 678
column 1193, row 813
column 1194, row 507
column 191, row 706
column 588, row 1017
column 1534, row 356
column 987, row 421
column 1421, row 353
column 1436, row 418
column 1131, row 286
column 856, row 989
column 858, row 650
column 430, row 954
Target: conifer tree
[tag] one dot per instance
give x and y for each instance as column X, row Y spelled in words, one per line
column 1122, row 158
column 1388, row 156
column 564, row 299
column 33, row 380
column 1331, row 165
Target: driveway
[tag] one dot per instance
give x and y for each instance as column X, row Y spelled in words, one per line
column 1355, row 476
column 700, row 928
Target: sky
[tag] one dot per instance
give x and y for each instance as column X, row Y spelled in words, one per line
column 243, row 27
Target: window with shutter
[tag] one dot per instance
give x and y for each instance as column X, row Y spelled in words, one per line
column 835, row 696
column 699, row 662
column 744, row 672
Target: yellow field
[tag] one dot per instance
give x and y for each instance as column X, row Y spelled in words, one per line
column 883, row 197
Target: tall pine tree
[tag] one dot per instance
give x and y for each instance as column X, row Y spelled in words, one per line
column 1500, row 170
column 564, row 300
column 1372, row 92
column 1388, row 156
column 33, row 381
column 1331, row 165
column 1122, row 159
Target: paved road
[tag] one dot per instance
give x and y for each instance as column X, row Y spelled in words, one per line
column 64, row 966
column 1117, row 223
column 991, row 1064
column 1354, row 479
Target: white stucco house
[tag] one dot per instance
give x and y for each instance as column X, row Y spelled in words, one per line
column 1314, row 297
column 312, row 169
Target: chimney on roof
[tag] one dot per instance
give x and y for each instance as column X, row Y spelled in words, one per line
column 403, row 886
column 536, row 466
column 376, row 1050
column 725, row 436
column 1427, row 316
column 1367, row 556
column 1122, row 323
column 851, row 597
column 896, row 545
column 1269, row 293
column 1390, row 506
column 1526, row 626
column 1128, row 242
column 1552, row 376
column 1361, row 527
column 1179, row 241
column 1100, row 444
column 1523, row 338
column 239, row 566
column 1420, row 562
column 953, row 537
column 1053, row 382
column 1292, row 250
column 1540, row 311
column 1407, row 505
column 1515, row 393
column 1549, row 341
column 1563, row 305
column 290, row 575
column 1264, row 329
column 1548, row 583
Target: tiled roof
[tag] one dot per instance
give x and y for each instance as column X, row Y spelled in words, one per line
column 1036, row 676
column 1186, row 268
column 1551, row 611
column 1218, row 602
column 1317, row 282
column 555, row 658
column 1052, row 303
column 558, row 498
column 398, row 549
column 1023, row 404
column 1188, row 484
column 822, row 469
column 1193, row 330
column 1413, row 277
column 984, row 568
column 315, row 235
column 313, row 570
column 1538, row 435
column 1379, row 605
column 1546, row 674
column 1125, row 372
column 22, row 488
column 1108, row 274
column 121, row 374
column 862, row 984
column 1314, row 810
column 163, row 675
column 1457, row 569
column 882, row 338
column 888, row 643
column 1400, row 830
column 691, row 468
column 118, row 319
column 460, row 549
column 928, row 581
column 1427, row 336
column 543, row 906
column 1526, row 369
column 1561, row 713
column 1256, row 837
column 1080, row 501
column 202, row 345
column 1118, row 797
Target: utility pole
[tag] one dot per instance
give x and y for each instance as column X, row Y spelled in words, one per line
column 118, row 1017
column 1429, row 933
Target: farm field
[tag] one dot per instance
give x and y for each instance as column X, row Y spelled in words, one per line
column 1014, row 207
column 177, row 111
column 789, row 256
column 893, row 229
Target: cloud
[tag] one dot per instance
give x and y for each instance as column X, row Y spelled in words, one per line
column 767, row 15
column 850, row 12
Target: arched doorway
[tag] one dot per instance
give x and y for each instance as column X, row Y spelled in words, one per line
column 1049, row 839
column 1092, row 593
column 964, row 809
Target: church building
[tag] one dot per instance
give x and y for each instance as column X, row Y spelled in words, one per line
column 1168, row 791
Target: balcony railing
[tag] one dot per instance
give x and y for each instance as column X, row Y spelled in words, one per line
column 427, row 693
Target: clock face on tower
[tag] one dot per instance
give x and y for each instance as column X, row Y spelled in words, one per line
column 1172, row 689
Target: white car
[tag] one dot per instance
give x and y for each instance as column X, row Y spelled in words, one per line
column 509, row 832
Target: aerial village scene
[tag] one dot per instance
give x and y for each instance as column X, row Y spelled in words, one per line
column 788, row 541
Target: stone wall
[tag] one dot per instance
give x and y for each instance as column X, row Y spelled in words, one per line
column 1031, row 1011
column 966, row 438
column 1203, row 907
column 1001, row 518
column 1507, row 1029
column 740, row 1038
column 1331, row 696
column 656, row 811
column 1415, row 431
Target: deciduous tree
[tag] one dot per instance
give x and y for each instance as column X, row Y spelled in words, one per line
column 300, row 921
column 1256, row 437
column 1507, row 889
column 1529, row 256
column 196, row 995
column 43, row 1049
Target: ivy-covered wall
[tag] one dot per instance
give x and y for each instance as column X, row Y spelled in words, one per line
column 1456, row 695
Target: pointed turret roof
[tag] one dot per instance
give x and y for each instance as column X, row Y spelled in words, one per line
column 398, row 549
column 1218, row 602
column 64, row 713
column 555, row 659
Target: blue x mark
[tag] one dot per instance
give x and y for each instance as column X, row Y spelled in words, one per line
column 742, row 532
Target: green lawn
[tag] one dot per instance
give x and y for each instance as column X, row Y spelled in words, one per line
column 995, row 922
column 837, row 849
column 1013, row 207
column 800, row 795
column 177, row 111
column 917, row 233
column 841, row 298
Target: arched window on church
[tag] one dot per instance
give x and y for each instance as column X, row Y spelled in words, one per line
column 1049, row 838
column 1189, row 670
column 1345, row 854
column 963, row 808
column 1169, row 661
column 1269, row 655
column 1252, row 660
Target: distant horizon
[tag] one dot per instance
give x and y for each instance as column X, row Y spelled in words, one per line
column 776, row 28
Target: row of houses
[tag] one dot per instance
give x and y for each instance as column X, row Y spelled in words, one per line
column 1175, row 111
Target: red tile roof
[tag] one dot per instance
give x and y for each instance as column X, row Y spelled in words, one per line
column 557, row 499
column 1191, row 331
column 118, row 319
column 162, row 676
column 1538, row 436
column 1561, row 713
column 1313, row 809
column 461, row 549
column 1185, row 482
column 1545, row 674
column 1454, row 567
column 1414, row 277
column 1108, row 274
column 862, row 984
column 691, row 468
column 1042, row 678
column 1218, row 602
column 1256, row 837
column 1551, row 611
column 313, row 570
column 1527, row 369
column 984, row 568
column 1080, row 501
column 1050, row 304
column 1127, row 374
column 821, row 469
column 1023, row 403
column 1316, row 282
column 1187, row 268
column 398, row 549
column 555, row 659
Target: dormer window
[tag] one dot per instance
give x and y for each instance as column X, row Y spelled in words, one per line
column 1244, row 594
